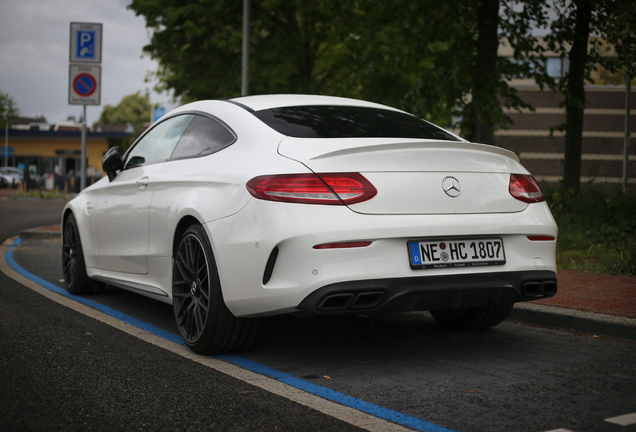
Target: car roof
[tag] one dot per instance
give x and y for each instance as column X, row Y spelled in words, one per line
column 263, row 102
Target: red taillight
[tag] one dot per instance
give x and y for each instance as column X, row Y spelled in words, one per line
column 540, row 238
column 525, row 188
column 330, row 189
column 343, row 245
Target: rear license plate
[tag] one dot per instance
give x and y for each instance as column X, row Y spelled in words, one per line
column 445, row 253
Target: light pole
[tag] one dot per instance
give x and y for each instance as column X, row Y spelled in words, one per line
column 245, row 78
column 628, row 94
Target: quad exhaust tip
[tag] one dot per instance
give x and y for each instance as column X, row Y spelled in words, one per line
column 540, row 288
column 351, row 301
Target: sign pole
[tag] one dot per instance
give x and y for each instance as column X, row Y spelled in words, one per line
column 6, row 140
column 85, row 56
column 83, row 164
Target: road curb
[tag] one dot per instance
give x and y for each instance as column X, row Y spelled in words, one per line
column 575, row 321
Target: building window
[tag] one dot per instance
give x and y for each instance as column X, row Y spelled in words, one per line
column 556, row 67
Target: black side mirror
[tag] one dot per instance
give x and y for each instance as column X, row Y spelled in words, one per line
column 112, row 162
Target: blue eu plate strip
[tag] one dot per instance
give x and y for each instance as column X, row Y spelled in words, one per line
column 416, row 257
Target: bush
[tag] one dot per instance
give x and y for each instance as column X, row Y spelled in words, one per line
column 596, row 230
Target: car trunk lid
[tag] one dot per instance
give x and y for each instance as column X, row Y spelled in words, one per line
column 417, row 176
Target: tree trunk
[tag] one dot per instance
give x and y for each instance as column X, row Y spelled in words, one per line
column 486, row 78
column 575, row 97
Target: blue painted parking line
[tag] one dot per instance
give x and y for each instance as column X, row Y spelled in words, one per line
column 335, row 396
column 105, row 309
column 327, row 393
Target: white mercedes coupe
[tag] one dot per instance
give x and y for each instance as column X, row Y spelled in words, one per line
column 231, row 210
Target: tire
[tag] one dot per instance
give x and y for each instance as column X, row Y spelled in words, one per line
column 73, row 266
column 206, row 325
column 471, row 319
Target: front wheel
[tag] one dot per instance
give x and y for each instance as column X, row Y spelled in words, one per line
column 470, row 319
column 73, row 265
column 206, row 325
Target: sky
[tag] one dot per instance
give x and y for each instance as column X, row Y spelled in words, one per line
column 34, row 55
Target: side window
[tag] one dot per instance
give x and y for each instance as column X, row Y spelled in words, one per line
column 159, row 143
column 203, row 136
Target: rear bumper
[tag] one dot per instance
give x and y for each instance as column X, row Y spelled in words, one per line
column 268, row 265
column 430, row 293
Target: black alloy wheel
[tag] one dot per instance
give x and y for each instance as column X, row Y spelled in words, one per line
column 205, row 323
column 73, row 267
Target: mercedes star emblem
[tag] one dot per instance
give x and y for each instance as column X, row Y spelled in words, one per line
column 451, row 186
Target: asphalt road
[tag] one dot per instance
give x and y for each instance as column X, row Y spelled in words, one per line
column 61, row 370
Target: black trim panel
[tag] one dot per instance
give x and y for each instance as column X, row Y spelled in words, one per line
column 430, row 292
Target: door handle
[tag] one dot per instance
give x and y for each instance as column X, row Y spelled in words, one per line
column 142, row 183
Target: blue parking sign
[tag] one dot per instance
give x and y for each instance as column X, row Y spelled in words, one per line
column 86, row 43
column 157, row 113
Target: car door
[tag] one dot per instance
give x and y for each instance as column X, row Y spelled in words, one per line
column 187, row 180
column 120, row 211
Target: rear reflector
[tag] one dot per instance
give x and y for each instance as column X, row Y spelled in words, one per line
column 541, row 238
column 525, row 188
column 343, row 245
column 330, row 189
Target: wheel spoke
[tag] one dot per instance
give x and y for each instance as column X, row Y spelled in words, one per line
column 205, row 296
column 187, row 321
column 67, row 266
column 199, row 319
column 190, row 251
column 202, row 270
column 182, row 269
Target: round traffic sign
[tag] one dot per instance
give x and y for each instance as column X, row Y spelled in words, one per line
column 85, row 84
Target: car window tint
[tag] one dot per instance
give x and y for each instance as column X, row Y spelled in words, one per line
column 159, row 143
column 203, row 136
column 326, row 121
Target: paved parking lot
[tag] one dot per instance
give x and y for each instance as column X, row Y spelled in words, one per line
column 514, row 377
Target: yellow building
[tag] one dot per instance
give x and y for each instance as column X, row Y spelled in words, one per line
column 59, row 151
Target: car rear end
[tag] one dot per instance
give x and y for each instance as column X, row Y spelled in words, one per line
column 390, row 224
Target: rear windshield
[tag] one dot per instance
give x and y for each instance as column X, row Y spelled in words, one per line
column 327, row 121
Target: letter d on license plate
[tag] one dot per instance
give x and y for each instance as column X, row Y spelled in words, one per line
column 446, row 253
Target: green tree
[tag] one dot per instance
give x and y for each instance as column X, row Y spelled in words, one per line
column 435, row 59
column 612, row 24
column 439, row 59
column 8, row 109
column 295, row 45
column 134, row 109
column 403, row 54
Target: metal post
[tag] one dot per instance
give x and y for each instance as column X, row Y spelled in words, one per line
column 83, row 163
column 6, row 140
column 245, row 78
column 628, row 94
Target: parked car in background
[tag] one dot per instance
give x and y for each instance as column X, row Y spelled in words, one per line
column 231, row 210
column 5, row 181
column 15, row 175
